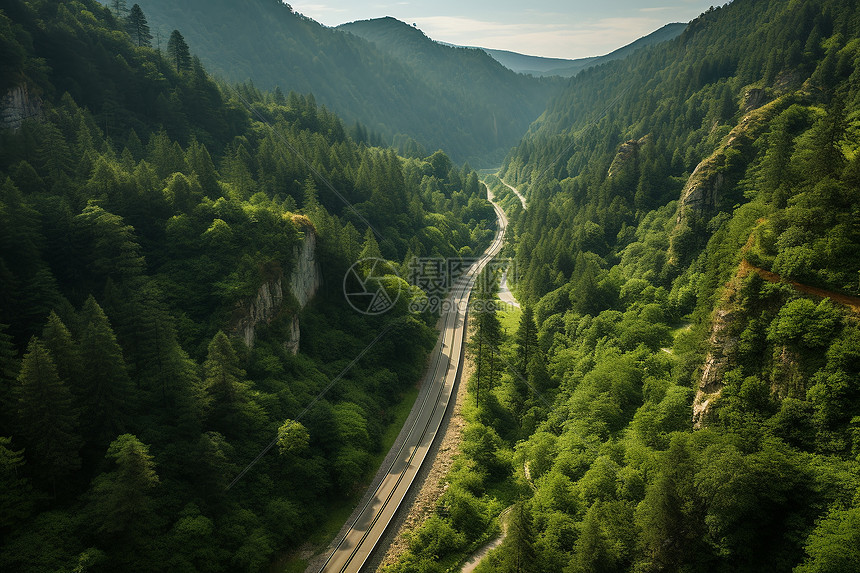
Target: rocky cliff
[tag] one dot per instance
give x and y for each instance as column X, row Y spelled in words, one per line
column 17, row 105
column 721, row 343
column 702, row 194
column 271, row 302
column 628, row 154
column 305, row 278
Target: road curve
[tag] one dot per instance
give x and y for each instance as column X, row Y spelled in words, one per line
column 354, row 549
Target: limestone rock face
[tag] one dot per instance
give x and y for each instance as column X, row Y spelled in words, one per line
column 701, row 196
column 17, row 105
column 262, row 309
column 305, row 279
column 717, row 362
column 628, row 152
column 292, row 343
column 268, row 303
column 753, row 99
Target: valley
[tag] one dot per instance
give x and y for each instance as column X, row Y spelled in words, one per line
column 254, row 291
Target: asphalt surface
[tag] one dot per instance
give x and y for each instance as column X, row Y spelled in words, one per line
column 411, row 450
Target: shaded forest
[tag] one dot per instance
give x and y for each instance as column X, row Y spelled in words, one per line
column 141, row 208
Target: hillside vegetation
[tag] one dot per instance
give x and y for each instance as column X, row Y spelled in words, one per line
column 689, row 254
column 464, row 103
column 143, row 208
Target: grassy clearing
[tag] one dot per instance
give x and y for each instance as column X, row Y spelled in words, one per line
column 510, row 320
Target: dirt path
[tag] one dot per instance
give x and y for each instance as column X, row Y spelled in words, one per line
column 505, row 294
column 851, row 302
column 479, row 555
column 514, row 189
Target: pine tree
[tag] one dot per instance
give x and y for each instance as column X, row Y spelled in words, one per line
column 47, row 419
column 8, row 375
column 138, row 28
column 828, row 134
column 224, row 383
column 521, row 554
column 178, row 52
column 278, row 96
column 119, row 8
column 526, row 339
column 107, row 393
column 16, row 495
column 112, row 247
column 310, row 202
column 201, row 165
column 65, row 350
column 484, row 344
column 121, row 500
column 370, row 249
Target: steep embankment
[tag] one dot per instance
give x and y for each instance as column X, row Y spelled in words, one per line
column 161, row 237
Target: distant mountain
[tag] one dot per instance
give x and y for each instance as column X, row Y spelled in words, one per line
column 471, row 75
column 538, row 66
column 396, row 94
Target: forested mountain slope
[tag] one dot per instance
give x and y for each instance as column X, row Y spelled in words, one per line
column 690, row 254
column 266, row 42
column 148, row 216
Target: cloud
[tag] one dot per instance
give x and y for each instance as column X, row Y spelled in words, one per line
column 560, row 39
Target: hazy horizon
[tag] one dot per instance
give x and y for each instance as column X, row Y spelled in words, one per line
column 548, row 28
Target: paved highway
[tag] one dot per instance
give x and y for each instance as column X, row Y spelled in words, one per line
column 352, row 552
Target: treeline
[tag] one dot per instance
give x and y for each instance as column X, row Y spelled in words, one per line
column 690, row 251
column 140, row 212
column 510, row 392
column 410, row 93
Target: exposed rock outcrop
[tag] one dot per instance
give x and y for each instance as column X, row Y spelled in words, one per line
column 292, row 343
column 305, row 279
column 702, row 194
column 262, row 310
column 17, row 105
column 628, row 153
column 753, row 99
column 271, row 301
column 717, row 362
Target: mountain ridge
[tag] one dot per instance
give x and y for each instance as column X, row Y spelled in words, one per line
column 268, row 43
column 543, row 66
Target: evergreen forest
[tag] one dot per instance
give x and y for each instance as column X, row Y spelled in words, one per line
column 681, row 391
column 183, row 388
column 385, row 77
column 141, row 212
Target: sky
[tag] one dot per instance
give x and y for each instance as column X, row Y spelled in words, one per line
column 550, row 28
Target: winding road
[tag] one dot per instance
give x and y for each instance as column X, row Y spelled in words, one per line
column 516, row 192
column 355, row 547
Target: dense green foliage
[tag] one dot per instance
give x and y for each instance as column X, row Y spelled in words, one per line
column 407, row 88
column 700, row 325
column 140, row 214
